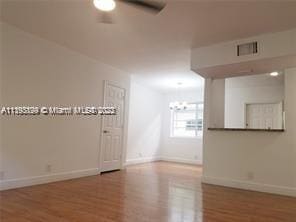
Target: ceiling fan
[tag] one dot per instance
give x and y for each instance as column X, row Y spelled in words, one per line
column 106, row 6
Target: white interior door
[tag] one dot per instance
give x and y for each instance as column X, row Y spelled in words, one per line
column 264, row 116
column 112, row 129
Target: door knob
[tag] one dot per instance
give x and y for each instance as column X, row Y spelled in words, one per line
column 105, row 131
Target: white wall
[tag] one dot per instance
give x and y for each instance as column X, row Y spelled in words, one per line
column 1, row 102
column 186, row 150
column 217, row 102
column 215, row 94
column 250, row 89
column 263, row 161
column 37, row 72
column 145, row 124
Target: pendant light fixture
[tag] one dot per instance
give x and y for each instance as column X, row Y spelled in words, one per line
column 177, row 104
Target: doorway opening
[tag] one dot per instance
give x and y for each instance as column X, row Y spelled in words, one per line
column 166, row 121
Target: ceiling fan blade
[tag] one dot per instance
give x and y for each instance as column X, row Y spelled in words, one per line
column 105, row 18
column 149, row 5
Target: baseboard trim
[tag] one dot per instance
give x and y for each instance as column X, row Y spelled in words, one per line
column 168, row 159
column 30, row 181
column 245, row 185
column 180, row 160
column 141, row 160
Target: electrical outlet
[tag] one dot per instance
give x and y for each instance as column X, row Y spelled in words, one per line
column 140, row 154
column 48, row 168
column 196, row 157
column 250, row 176
column 1, row 175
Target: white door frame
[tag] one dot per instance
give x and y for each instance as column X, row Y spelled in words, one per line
column 107, row 82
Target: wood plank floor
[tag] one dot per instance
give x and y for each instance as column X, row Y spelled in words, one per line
column 150, row 192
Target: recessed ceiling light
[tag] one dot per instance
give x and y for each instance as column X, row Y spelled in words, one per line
column 274, row 73
column 105, row 5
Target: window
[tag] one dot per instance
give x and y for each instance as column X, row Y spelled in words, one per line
column 187, row 122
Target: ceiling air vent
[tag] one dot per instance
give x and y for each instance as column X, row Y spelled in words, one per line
column 247, row 49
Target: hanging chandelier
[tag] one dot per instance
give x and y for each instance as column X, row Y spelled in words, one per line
column 178, row 105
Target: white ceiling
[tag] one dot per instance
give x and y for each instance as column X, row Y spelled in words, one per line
column 153, row 47
column 170, row 82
